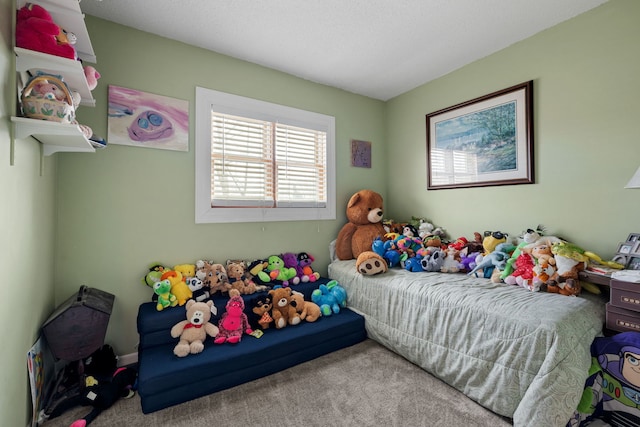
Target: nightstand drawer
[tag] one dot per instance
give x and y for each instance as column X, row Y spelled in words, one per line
column 621, row 320
column 625, row 295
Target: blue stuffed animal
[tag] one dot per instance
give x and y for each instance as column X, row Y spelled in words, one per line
column 330, row 298
column 496, row 259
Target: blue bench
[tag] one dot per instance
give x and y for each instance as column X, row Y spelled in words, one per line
column 165, row 380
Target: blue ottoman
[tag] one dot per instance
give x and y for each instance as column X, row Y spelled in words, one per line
column 165, row 379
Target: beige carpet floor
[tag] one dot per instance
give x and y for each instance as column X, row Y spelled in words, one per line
column 362, row 385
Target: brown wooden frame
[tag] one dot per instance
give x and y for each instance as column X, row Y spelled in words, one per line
column 474, row 116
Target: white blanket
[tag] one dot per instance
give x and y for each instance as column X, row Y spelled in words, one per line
column 521, row 354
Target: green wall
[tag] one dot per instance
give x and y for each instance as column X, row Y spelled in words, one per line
column 98, row 219
column 586, row 111
column 27, row 235
column 123, row 208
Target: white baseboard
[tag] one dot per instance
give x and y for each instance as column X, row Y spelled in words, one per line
column 128, row 359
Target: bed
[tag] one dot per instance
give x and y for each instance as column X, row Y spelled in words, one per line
column 521, row 354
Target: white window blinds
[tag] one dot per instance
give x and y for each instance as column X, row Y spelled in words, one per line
column 257, row 161
column 264, row 164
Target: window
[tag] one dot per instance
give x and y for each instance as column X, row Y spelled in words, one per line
column 257, row 161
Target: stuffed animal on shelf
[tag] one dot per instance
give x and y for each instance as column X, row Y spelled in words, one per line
column 283, row 312
column 307, row 310
column 187, row 270
column 364, row 212
column 36, row 30
column 330, row 298
column 198, row 291
column 261, row 311
column 277, row 272
column 237, row 275
column 162, row 289
column 233, row 322
column 194, row 330
column 214, row 277
column 305, row 272
column 92, row 75
column 178, row 286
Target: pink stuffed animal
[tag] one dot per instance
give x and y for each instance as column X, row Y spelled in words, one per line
column 233, row 322
column 92, row 75
column 35, row 30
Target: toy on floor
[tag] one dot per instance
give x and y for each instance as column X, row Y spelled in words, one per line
column 194, row 329
column 233, row 322
column 103, row 385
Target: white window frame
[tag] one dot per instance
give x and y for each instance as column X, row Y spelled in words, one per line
column 208, row 100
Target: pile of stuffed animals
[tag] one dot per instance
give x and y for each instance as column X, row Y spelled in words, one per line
column 534, row 261
column 276, row 303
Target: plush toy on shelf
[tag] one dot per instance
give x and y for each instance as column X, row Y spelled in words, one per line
column 261, row 313
column 162, row 289
column 307, row 310
column 283, row 312
column 36, row 30
column 330, row 298
column 277, row 272
column 237, row 275
column 305, row 272
column 214, row 277
column 178, row 286
column 92, row 75
column 233, row 322
column 194, row 329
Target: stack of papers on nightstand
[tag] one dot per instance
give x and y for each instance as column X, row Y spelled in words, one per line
column 632, row 276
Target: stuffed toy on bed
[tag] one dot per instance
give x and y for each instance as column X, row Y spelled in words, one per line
column 364, row 212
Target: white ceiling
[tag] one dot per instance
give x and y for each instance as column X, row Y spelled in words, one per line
column 376, row 48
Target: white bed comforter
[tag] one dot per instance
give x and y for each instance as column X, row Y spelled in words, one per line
column 520, row 354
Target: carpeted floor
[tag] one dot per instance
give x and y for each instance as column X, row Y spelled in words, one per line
column 362, row 385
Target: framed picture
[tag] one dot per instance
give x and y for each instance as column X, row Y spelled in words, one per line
column 633, row 237
column 634, row 263
column 625, row 248
column 484, row 142
column 360, row 153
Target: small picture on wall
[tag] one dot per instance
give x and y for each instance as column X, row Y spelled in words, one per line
column 360, row 153
column 625, row 248
column 634, row 264
column 141, row 119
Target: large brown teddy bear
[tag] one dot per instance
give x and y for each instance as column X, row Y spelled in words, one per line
column 194, row 330
column 283, row 312
column 364, row 212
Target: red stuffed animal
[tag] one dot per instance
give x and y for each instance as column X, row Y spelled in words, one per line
column 35, row 30
column 234, row 322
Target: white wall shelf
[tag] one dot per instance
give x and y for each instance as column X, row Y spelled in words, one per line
column 55, row 137
column 71, row 71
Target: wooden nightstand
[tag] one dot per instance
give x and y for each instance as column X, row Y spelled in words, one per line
column 623, row 309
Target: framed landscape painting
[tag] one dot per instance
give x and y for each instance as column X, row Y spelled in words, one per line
column 483, row 142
